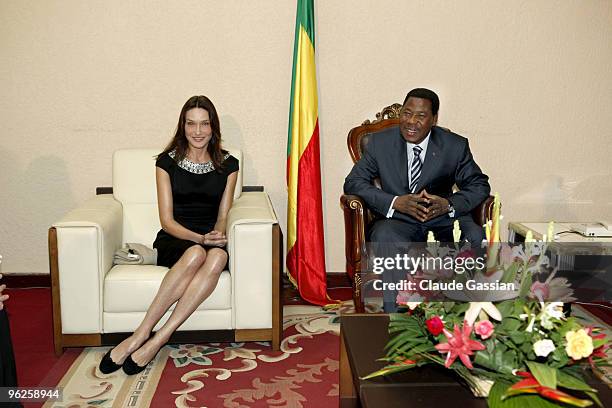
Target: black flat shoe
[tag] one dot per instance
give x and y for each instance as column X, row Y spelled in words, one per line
column 131, row 368
column 107, row 365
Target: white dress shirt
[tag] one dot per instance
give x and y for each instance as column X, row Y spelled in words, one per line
column 410, row 154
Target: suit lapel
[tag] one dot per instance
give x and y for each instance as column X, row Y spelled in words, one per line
column 401, row 161
column 432, row 159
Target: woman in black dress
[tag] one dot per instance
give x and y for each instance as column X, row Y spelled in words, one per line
column 195, row 189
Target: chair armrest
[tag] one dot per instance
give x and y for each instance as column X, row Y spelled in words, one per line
column 484, row 211
column 356, row 220
column 87, row 238
column 249, row 244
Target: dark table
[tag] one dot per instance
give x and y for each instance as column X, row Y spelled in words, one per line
column 362, row 341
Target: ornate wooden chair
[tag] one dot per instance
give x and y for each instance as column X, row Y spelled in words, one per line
column 358, row 218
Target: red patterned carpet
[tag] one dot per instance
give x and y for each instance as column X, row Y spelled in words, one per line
column 304, row 373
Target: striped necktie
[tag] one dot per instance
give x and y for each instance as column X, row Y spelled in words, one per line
column 415, row 168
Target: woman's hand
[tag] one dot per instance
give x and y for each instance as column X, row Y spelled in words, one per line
column 214, row 238
column 3, row 298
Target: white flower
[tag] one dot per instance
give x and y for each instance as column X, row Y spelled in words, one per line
column 543, row 348
column 525, row 316
column 550, row 311
column 456, row 231
column 413, row 305
column 529, row 328
column 554, row 309
column 477, row 307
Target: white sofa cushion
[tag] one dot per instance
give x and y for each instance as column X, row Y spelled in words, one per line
column 131, row 288
column 199, row 320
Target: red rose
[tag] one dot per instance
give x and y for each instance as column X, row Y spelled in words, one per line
column 434, row 325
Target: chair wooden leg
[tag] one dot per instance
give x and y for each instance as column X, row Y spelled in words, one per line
column 55, row 293
column 357, row 298
column 277, row 306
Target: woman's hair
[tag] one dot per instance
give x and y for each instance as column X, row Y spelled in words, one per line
column 179, row 141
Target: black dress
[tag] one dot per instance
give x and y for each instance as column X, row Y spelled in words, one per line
column 197, row 189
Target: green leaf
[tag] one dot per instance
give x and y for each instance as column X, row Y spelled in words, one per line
column 508, row 362
column 526, row 347
column 518, row 337
column 496, row 358
column 402, row 340
column 448, row 306
column 510, row 325
column 563, row 357
column 421, row 348
column 394, row 317
column 573, row 383
column 461, row 308
column 510, row 273
column 508, row 344
column 390, row 369
column 545, row 375
column 594, row 397
column 525, row 285
column 505, row 308
column 597, row 343
column 519, row 306
column 569, row 324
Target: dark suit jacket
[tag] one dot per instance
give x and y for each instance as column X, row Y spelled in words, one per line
column 448, row 161
column 8, row 375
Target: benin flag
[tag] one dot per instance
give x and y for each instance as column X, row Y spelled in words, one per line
column 305, row 256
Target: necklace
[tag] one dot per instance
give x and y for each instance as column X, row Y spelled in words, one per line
column 193, row 167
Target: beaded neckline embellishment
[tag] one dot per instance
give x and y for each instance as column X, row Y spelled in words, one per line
column 196, row 168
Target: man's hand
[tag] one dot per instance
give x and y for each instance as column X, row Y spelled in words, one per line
column 3, row 298
column 413, row 205
column 437, row 205
column 214, row 238
column 422, row 206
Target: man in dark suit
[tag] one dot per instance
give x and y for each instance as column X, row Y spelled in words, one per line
column 418, row 164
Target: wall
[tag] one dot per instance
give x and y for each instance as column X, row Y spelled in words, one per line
column 527, row 82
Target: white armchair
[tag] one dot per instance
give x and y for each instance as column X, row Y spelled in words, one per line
column 96, row 303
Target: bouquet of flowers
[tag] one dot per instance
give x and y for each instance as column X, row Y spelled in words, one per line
column 516, row 347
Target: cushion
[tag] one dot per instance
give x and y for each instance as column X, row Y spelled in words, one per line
column 131, row 288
